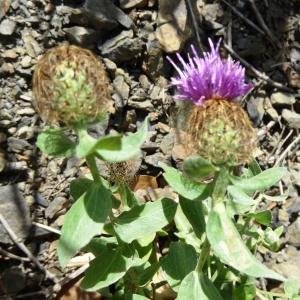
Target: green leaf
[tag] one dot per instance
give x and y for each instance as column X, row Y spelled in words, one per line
column 54, row 142
column 128, row 147
column 106, row 269
column 261, row 181
column 230, row 248
column 291, row 288
column 145, row 276
column 180, row 261
column 262, row 217
column 255, row 167
column 83, row 221
column 135, row 297
column 181, row 184
column 194, row 213
column 145, row 219
column 197, row 167
column 244, row 292
column 197, row 286
column 220, row 186
column 239, row 196
column 79, row 186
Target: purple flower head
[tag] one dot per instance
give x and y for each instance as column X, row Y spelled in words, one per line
column 210, row 77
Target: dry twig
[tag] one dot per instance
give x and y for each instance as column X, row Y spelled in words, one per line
column 195, row 25
column 263, row 24
column 258, row 73
column 286, row 151
column 22, row 247
column 249, row 22
column 13, row 256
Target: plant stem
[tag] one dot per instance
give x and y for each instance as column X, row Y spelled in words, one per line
column 205, row 251
column 91, row 162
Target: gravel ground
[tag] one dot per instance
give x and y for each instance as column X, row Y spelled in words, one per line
column 132, row 38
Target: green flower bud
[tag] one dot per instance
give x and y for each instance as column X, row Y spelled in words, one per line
column 221, row 132
column 70, row 86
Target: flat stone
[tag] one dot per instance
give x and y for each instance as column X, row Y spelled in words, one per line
column 55, row 206
column 123, row 47
column 172, row 28
column 15, row 211
column 142, row 105
column 292, row 118
column 81, row 35
column 289, row 267
column 167, row 143
column 293, row 233
column 154, row 159
column 7, row 27
column 7, row 68
column 32, row 47
column 10, row 54
column 17, row 145
column 26, row 62
column 105, row 15
column 121, row 88
column 125, row 4
column 279, row 98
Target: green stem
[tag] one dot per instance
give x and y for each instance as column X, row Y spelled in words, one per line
column 219, row 186
column 205, row 251
column 91, row 162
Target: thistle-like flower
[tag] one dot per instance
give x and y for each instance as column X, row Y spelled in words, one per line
column 210, row 77
column 217, row 128
column 70, row 86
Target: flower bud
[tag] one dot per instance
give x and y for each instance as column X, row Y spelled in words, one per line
column 221, row 132
column 70, row 86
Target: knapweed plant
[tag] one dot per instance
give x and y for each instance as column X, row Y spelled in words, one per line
column 202, row 246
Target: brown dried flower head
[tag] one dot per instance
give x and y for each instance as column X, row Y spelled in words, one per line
column 221, row 132
column 70, row 86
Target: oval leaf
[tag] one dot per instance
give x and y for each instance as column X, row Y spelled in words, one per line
column 143, row 220
column 261, row 181
column 197, row 286
column 54, row 142
column 180, row 261
column 227, row 244
column 106, row 269
column 128, row 147
column 83, row 221
column 181, row 184
column 239, row 196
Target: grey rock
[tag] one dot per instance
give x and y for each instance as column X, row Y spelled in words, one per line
column 144, row 81
column 16, row 212
column 14, row 280
column 32, row 47
column 123, row 47
column 289, row 267
column 256, row 111
column 167, row 143
column 279, row 98
column 7, row 27
column 110, row 66
column 172, row 28
column 105, row 15
column 292, row 118
column 154, row 159
column 293, row 233
column 125, row 4
column 4, row 7
column 82, row 36
column 10, row 54
column 121, row 88
column 7, row 69
column 18, row 145
column 142, row 105
column 28, row 111
column 26, row 62
column 153, row 64
column 57, row 204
